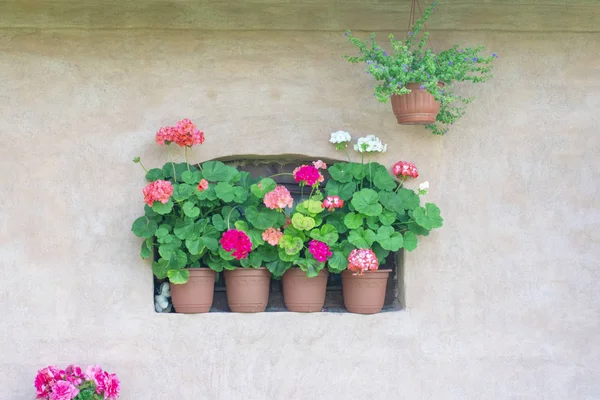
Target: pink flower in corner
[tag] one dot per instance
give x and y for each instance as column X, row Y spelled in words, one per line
column 307, row 175
column 236, row 241
column 361, row 260
column 319, row 250
column 158, row 191
column 203, row 185
column 319, row 164
column 272, row 236
column 404, row 168
column 63, row 390
column 45, row 379
column 74, row 375
column 278, row 198
column 91, row 372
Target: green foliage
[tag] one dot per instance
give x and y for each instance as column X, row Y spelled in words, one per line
column 410, row 62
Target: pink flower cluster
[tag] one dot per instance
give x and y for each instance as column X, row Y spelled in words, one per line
column 405, row 168
column 236, row 241
column 272, row 236
column 158, row 191
column 307, row 175
column 184, row 134
column 332, row 202
column 203, row 185
column 278, row 198
column 319, row 164
column 52, row 383
column 361, row 260
column 319, row 250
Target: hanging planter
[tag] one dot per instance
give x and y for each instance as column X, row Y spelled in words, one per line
column 410, row 74
column 418, row 107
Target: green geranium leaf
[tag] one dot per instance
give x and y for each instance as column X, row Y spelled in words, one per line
column 341, row 172
column 163, row 230
column 208, row 194
column 336, row 219
column 255, row 259
column 387, row 217
column 216, row 171
column 167, row 249
column 184, row 229
column 291, row 244
column 144, row 227
column 380, row 252
column 146, row 250
column 362, row 238
column 410, row 241
column 190, row 209
column 343, row 190
column 182, row 191
column 417, row 229
column 391, row 201
column 155, row 174
column 381, row 178
column 283, row 256
column 178, row 276
column 327, row 234
column 192, row 178
column 225, row 255
column 215, row 263
column 263, row 219
column 366, row 202
column 428, row 217
column 239, row 194
column 302, row 222
column 373, row 223
column 149, row 212
column 265, row 186
column 160, row 268
column 389, row 239
column 338, row 262
column 219, row 223
column 314, row 206
column 410, row 200
column 180, row 168
column 353, row 220
column 310, row 266
column 176, row 260
column 224, row 191
column 161, row 208
column 278, row 267
column 359, row 171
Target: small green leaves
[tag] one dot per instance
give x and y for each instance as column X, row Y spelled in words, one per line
column 178, row 276
column 192, row 178
column 183, row 228
column 144, row 227
column 263, row 219
column 302, row 223
column 310, row 266
column 389, row 239
column 361, row 238
column 224, row 191
column 428, row 217
column 410, row 200
column 387, row 217
column 263, row 187
column 146, row 250
column 190, row 209
column 341, row 172
column 278, row 267
column 338, row 262
column 366, row 202
column 313, row 206
column 216, row 171
column 353, row 220
column 161, row 208
column 291, row 244
column 410, row 241
column 155, row 174
column 343, row 190
column 381, row 178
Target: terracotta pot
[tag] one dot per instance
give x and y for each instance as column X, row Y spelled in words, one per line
column 416, row 108
column 304, row 294
column 195, row 296
column 247, row 289
column 364, row 294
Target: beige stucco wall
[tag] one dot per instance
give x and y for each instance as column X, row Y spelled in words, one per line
column 502, row 303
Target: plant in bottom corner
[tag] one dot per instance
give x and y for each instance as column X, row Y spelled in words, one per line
column 52, row 383
column 409, row 62
column 378, row 213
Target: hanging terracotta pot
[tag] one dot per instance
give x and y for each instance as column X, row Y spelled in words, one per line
column 365, row 294
column 196, row 295
column 247, row 289
column 304, row 294
column 417, row 107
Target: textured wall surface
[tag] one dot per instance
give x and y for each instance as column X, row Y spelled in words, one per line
column 502, row 303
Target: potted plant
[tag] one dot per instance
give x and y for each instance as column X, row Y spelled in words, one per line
column 52, row 383
column 419, row 81
column 379, row 215
column 180, row 226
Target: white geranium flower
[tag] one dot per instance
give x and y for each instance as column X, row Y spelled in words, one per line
column 424, row 185
column 340, row 137
column 370, row 144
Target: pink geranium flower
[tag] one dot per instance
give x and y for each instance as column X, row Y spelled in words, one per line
column 236, row 241
column 319, row 164
column 362, row 260
column 63, row 390
column 307, row 175
column 184, row 134
column 44, row 380
column 319, row 250
column 203, row 185
column 158, row 191
column 108, row 385
column 272, row 236
column 404, row 169
column 278, row 198
column 332, row 202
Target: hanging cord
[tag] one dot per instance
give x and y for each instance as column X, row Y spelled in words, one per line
column 412, row 19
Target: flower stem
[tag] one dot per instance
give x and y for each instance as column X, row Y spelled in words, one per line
column 142, row 165
column 229, row 216
column 347, row 155
column 172, row 163
column 186, row 159
column 282, row 173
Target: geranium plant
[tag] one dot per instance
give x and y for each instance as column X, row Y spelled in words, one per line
column 377, row 212
column 93, row 383
column 201, row 215
column 408, row 61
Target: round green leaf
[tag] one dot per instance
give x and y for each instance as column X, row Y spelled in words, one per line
column 343, row 190
column 337, row 263
column 327, row 234
column 262, row 219
column 410, row 241
column 192, row 178
column 381, row 178
column 291, row 244
column 278, row 267
column 310, row 266
column 144, row 227
column 178, row 276
column 353, row 220
column 389, row 239
column 266, row 185
column 184, row 229
column 161, row 208
column 190, row 209
column 182, row 191
column 428, row 217
column 302, row 222
column 216, row 171
column 155, row 174
column 387, row 217
column 361, row 238
column 366, row 202
column 341, row 172
column 224, row 191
